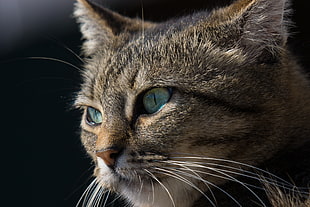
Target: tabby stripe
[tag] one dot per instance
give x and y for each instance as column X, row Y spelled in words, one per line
column 223, row 103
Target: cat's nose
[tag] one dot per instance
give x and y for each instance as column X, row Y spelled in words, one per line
column 109, row 156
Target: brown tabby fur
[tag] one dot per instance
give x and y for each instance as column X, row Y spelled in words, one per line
column 239, row 100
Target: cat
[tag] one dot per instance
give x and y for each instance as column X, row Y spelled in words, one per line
column 209, row 109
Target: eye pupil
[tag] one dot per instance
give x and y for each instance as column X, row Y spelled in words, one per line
column 155, row 99
column 93, row 116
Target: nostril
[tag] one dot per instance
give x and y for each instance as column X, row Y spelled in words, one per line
column 109, row 156
column 114, row 155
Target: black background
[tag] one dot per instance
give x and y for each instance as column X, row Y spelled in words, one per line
column 43, row 161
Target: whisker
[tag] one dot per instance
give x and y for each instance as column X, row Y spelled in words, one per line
column 93, row 196
column 266, row 180
column 153, row 191
column 226, row 178
column 141, row 183
column 272, row 179
column 162, row 185
column 233, row 179
column 176, row 176
column 106, row 198
column 63, row 45
column 91, row 185
column 236, row 173
column 73, row 53
column 115, row 199
column 98, row 197
column 243, row 184
column 208, row 182
column 143, row 36
column 89, row 194
column 142, row 19
column 237, row 163
column 201, row 180
column 56, row 60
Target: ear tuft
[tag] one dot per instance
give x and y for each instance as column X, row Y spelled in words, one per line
column 99, row 25
column 262, row 25
column 93, row 31
column 265, row 28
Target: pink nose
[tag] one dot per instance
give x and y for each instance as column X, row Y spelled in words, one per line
column 109, row 156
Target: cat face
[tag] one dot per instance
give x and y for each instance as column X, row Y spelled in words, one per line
column 204, row 87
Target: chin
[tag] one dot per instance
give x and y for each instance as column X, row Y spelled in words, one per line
column 144, row 187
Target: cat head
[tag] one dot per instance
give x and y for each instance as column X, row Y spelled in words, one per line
column 211, row 84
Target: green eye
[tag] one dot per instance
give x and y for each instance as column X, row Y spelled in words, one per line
column 155, row 99
column 93, row 116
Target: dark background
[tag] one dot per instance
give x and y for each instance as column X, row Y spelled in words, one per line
column 43, row 161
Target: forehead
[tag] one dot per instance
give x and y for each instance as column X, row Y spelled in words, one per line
column 163, row 56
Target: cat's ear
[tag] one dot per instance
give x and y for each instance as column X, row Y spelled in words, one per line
column 99, row 25
column 259, row 26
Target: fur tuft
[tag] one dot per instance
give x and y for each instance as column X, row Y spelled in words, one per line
column 280, row 198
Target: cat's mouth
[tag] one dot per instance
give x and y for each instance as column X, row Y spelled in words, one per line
column 134, row 178
column 132, row 167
